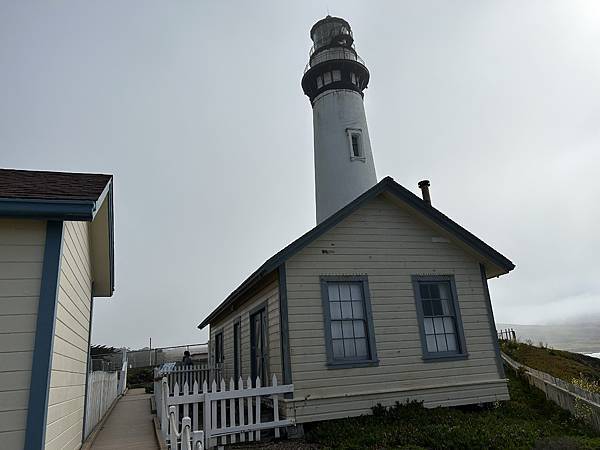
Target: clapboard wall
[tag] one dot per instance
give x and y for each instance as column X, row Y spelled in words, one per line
column 70, row 350
column 388, row 244
column 268, row 295
column 21, row 259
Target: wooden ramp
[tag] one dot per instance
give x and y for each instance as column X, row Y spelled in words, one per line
column 129, row 425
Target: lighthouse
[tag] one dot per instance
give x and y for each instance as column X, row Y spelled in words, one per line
column 334, row 80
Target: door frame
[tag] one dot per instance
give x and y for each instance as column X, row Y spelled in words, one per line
column 260, row 309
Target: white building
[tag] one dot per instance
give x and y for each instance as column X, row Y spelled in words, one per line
column 56, row 256
column 385, row 300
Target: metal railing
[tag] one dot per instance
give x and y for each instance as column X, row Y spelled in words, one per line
column 332, row 55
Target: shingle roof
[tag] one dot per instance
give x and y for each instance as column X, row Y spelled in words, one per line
column 43, row 185
column 386, row 185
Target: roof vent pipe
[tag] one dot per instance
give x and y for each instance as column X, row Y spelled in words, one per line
column 424, row 186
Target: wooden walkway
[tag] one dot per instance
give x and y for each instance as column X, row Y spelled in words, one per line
column 129, row 425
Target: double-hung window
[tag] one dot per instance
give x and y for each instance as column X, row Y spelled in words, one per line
column 349, row 334
column 439, row 317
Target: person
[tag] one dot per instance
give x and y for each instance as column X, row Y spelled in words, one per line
column 187, row 359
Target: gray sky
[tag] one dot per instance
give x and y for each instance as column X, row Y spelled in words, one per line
column 196, row 108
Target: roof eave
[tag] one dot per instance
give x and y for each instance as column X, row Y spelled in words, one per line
column 76, row 210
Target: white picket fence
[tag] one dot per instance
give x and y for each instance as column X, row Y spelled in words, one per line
column 218, row 416
column 103, row 389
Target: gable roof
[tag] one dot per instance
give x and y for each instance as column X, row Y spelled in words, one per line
column 64, row 196
column 387, row 185
column 52, row 195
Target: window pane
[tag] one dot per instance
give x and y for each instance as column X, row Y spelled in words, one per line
column 438, row 323
column 427, row 310
column 361, row 348
column 336, row 329
column 355, row 145
column 445, row 307
column 441, row 342
column 349, row 349
column 338, row 348
column 424, row 290
column 357, row 310
column 353, row 77
column 451, row 339
column 347, row 329
column 431, row 345
column 448, row 325
column 334, row 293
column 359, row 329
column 327, row 78
column 356, row 291
column 346, row 310
column 444, row 289
column 337, row 75
column 335, row 310
column 344, row 292
column 437, row 307
column 434, row 290
column 319, row 82
column 428, row 326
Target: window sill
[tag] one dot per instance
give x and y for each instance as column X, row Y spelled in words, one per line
column 452, row 357
column 352, row 364
column 358, row 158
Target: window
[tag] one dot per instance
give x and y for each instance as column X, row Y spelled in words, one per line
column 319, row 82
column 349, row 335
column 336, row 75
column 219, row 347
column 353, row 77
column 327, row 78
column 355, row 143
column 439, row 317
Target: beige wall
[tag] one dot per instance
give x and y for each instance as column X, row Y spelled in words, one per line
column 69, row 359
column 21, row 259
column 388, row 244
column 270, row 295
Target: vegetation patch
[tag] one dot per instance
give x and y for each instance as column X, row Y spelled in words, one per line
column 141, row 377
column 558, row 363
column 528, row 420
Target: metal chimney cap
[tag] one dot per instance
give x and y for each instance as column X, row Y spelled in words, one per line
column 424, row 183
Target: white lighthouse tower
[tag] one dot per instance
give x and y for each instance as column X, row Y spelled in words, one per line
column 334, row 80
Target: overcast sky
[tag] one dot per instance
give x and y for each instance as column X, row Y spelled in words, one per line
column 197, row 110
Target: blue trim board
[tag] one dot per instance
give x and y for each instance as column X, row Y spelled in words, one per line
column 42, row 352
column 47, row 209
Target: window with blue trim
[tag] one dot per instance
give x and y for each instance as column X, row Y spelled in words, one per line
column 349, row 327
column 439, row 320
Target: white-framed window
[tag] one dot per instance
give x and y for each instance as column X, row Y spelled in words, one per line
column 355, row 143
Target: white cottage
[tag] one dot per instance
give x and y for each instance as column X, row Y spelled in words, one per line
column 387, row 300
column 56, row 256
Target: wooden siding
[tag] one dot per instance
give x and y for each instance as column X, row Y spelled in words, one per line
column 21, row 260
column 270, row 295
column 388, row 244
column 69, row 359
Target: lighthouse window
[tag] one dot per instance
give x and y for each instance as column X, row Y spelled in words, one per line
column 356, row 145
column 319, row 82
column 327, row 78
column 337, row 75
column 353, row 77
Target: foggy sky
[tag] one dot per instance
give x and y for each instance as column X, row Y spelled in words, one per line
column 197, row 110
